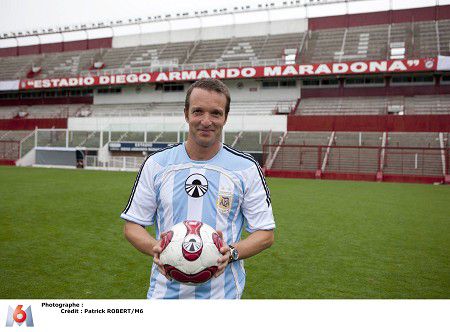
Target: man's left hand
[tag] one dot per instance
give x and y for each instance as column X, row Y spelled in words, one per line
column 222, row 261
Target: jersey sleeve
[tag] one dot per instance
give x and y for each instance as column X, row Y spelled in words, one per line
column 256, row 205
column 141, row 206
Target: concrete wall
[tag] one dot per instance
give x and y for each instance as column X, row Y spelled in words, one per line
column 175, row 123
column 251, row 90
column 143, row 94
column 240, row 90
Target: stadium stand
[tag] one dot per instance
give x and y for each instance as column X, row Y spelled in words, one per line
column 373, row 42
column 66, row 64
column 250, row 141
column 320, row 102
column 307, row 138
column 13, row 135
column 432, row 104
column 174, row 108
column 40, row 111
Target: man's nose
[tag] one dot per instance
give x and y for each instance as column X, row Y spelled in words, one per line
column 206, row 120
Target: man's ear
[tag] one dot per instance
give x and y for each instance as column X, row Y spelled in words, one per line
column 186, row 114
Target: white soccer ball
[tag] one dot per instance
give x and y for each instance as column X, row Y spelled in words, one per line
column 190, row 250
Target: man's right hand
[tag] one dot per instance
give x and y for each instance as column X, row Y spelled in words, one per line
column 157, row 249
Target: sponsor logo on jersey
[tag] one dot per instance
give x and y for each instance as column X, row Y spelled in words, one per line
column 196, row 185
column 224, row 201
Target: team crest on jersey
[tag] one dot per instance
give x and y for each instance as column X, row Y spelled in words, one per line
column 224, row 201
column 196, row 185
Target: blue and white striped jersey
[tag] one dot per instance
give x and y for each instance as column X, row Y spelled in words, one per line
column 228, row 193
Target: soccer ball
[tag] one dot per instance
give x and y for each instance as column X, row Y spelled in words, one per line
column 190, row 250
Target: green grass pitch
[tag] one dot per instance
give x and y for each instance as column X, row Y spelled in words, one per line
column 61, row 237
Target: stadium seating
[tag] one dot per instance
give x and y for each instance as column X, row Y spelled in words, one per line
column 432, row 104
column 353, row 160
column 250, row 141
column 358, row 139
column 424, row 140
column 40, row 111
column 322, row 45
column 15, row 67
column 342, row 106
column 419, row 39
column 9, row 112
column 413, row 162
column 296, row 159
column 437, row 104
column 316, row 153
column 66, row 64
column 307, row 138
column 405, row 153
column 174, row 108
column 444, row 37
column 426, row 44
column 14, row 135
column 364, row 43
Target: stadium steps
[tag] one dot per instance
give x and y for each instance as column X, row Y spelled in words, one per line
column 402, row 33
column 251, row 141
column 444, row 37
column 365, row 43
column 413, row 162
column 88, row 139
column 352, row 160
column 296, row 159
column 425, row 40
column 431, row 104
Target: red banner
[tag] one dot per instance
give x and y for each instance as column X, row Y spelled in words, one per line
column 295, row 70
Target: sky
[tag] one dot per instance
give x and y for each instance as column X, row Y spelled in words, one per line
column 23, row 15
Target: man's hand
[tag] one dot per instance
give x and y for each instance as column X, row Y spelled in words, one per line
column 157, row 249
column 222, row 261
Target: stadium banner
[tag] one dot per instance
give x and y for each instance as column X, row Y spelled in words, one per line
column 443, row 63
column 297, row 315
column 137, row 146
column 294, row 70
column 9, row 85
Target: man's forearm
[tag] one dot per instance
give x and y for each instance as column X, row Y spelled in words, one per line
column 139, row 238
column 254, row 243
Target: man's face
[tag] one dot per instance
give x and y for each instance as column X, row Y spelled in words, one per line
column 206, row 116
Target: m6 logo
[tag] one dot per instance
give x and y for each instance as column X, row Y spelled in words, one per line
column 19, row 316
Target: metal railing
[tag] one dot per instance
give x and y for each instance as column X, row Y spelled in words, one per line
column 114, row 163
column 412, row 161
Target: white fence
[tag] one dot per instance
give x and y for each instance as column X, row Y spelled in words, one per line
column 115, row 163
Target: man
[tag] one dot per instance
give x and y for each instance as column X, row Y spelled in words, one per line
column 231, row 193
